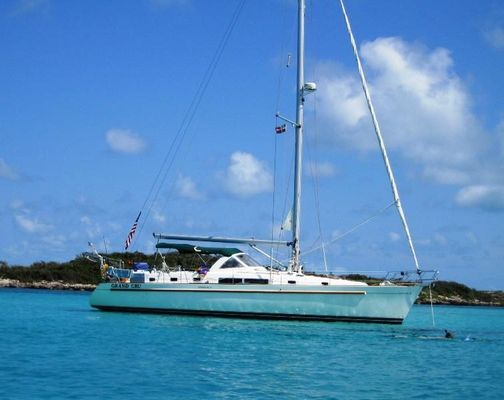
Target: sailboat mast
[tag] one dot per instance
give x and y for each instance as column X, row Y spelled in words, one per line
column 296, row 214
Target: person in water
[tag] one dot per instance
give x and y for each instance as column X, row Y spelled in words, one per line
column 448, row 334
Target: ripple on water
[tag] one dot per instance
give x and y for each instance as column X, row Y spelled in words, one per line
column 55, row 346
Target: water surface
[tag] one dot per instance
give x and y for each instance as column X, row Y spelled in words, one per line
column 53, row 345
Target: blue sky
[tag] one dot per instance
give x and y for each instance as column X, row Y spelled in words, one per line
column 93, row 94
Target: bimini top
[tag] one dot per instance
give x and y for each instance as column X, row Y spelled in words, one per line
column 190, row 248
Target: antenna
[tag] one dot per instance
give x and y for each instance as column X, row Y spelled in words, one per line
column 105, row 244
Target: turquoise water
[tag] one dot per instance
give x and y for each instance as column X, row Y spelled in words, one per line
column 53, row 345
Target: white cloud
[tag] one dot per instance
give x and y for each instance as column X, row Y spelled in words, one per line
column 17, row 205
column 488, row 197
column 186, row 187
column 335, row 234
column 437, row 239
column 341, row 97
column 495, row 37
column 31, row 225
column 124, row 141
column 93, row 230
column 30, row 6
column 158, row 217
column 447, row 175
column 24, row 219
column 247, row 176
column 423, row 242
column 440, row 239
column 7, row 172
column 394, row 237
column 55, row 241
column 320, row 169
column 422, row 105
column 114, row 226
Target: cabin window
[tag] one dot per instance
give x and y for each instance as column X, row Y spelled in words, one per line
column 247, row 260
column 173, row 279
column 233, row 281
column 137, row 278
column 292, row 282
column 152, row 279
column 231, row 263
column 256, row 281
column 325, row 283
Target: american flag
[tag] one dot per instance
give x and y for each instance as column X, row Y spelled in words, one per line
column 131, row 232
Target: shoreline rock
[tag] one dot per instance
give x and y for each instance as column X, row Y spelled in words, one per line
column 488, row 299
column 457, row 301
column 53, row 285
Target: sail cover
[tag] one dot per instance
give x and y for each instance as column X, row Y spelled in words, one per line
column 190, row 248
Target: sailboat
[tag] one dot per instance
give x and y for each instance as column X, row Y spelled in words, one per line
column 236, row 285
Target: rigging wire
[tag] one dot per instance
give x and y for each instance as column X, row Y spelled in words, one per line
column 355, row 227
column 381, row 143
column 281, row 73
column 432, row 307
column 188, row 117
column 273, row 202
column 314, row 167
column 314, row 173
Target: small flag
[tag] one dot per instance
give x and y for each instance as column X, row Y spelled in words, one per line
column 132, row 232
column 281, row 128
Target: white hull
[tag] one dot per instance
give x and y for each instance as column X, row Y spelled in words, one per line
column 381, row 304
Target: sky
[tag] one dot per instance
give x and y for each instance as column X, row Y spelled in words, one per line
column 168, row 107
